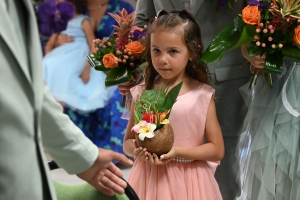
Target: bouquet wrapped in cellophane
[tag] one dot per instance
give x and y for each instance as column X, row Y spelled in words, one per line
column 270, row 27
column 151, row 113
column 121, row 54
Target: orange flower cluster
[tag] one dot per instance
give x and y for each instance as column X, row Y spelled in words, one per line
column 251, row 15
column 110, row 61
column 135, row 48
column 296, row 37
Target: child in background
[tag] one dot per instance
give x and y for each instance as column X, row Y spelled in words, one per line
column 68, row 74
column 174, row 47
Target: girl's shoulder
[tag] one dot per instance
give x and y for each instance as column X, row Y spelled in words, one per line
column 79, row 18
column 199, row 90
column 205, row 87
column 137, row 90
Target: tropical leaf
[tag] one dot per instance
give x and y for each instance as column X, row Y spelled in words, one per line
column 291, row 52
column 117, row 76
column 273, row 63
column 171, row 98
column 223, row 41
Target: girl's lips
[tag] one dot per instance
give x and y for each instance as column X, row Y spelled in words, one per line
column 164, row 69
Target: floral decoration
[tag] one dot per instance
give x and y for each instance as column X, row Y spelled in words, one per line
column 268, row 27
column 152, row 110
column 53, row 17
column 121, row 54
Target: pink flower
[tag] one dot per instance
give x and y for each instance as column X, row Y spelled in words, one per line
column 263, row 45
column 257, row 43
column 270, row 39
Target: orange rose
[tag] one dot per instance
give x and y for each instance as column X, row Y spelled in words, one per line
column 135, row 47
column 251, row 15
column 110, row 61
column 296, row 36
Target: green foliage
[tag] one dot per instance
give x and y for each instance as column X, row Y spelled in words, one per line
column 156, row 101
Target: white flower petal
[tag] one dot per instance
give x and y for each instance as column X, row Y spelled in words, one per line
column 152, row 127
column 142, row 136
column 149, row 135
column 136, row 128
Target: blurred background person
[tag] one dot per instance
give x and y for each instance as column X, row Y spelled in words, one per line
column 103, row 126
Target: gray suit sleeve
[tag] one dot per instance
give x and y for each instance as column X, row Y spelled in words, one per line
column 64, row 141
column 145, row 10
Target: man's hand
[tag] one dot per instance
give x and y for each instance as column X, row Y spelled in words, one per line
column 104, row 175
column 62, row 39
column 256, row 61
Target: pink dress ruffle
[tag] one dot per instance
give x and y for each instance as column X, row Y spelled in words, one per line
column 176, row 180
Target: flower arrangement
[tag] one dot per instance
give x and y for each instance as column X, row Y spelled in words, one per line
column 121, row 54
column 53, row 17
column 268, row 27
column 151, row 114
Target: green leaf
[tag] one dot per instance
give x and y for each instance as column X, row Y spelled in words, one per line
column 246, row 36
column 291, row 53
column 253, row 50
column 117, row 76
column 238, row 23
column 273, row 63
column 171, row 98
column 156, row 96
column 137, row 116
column 139, row 107
column 227, row 38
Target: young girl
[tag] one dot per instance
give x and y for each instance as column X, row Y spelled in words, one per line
column 68, row 74
column 186, row 172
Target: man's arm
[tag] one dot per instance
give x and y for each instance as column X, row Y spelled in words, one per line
column 74, row 152
column 145, row 10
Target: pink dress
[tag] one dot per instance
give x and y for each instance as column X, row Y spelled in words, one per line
column 180, row 180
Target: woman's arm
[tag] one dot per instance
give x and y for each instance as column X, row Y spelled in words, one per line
column 88, row 30
column 50, row 44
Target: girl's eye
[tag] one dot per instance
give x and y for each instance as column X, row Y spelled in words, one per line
column 173, row 51
column 156, row 50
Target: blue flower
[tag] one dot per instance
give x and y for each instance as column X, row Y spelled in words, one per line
column 137, row 34
column 259, row 3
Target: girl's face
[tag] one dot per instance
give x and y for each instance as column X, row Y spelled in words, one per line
column 169, row 55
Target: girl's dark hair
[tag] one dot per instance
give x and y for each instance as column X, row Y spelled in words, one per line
column 184, row 23
column 80, row 5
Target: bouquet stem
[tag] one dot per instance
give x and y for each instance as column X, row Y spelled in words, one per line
column 253, row 78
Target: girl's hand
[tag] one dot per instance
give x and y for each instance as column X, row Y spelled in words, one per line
column 85, row 75
column 140, row 152
column 164, row 159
